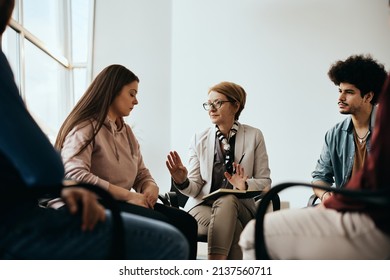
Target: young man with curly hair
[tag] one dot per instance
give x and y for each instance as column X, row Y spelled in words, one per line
column 360, row 79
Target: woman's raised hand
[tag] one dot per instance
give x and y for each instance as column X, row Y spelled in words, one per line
column 238, row 178
column 176, row 168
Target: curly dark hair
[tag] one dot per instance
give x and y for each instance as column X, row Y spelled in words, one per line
column 362, row 71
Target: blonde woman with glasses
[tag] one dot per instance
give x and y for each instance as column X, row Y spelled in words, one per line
column 226, row 155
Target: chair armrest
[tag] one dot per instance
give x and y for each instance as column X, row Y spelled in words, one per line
column 312, row 200
column 275, row 200
column 169, row 199
column 45, row 194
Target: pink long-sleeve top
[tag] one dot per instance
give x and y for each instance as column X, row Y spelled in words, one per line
column 113, row 157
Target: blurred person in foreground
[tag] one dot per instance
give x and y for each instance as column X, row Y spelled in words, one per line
column 82, row 229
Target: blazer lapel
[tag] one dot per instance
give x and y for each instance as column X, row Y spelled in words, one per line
column 210, row 151
column 239, row 146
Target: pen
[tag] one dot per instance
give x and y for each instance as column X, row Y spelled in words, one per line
column 241, row 158
column 239, row 162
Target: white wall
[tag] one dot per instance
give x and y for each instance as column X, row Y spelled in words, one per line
column 137, row 34
column 278, row 50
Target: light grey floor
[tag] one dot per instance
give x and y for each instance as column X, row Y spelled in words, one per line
column 202, row 251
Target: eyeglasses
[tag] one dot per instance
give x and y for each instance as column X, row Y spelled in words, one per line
column 216, row 104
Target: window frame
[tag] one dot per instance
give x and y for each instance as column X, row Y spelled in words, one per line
column 67, row 96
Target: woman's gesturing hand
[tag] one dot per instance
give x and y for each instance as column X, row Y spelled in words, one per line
column 176, row 168
column 238, row 178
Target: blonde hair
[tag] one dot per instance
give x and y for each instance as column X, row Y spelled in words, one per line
column 234, row 93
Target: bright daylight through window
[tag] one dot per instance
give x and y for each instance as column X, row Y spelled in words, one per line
column 49, row 44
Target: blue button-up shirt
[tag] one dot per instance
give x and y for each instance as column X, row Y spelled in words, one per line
column 338, row 153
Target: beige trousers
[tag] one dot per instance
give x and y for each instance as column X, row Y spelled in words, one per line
column 223, row 221
column 312, row 233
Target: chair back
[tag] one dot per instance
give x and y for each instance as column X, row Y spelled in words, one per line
column 181, row 198
column 173, row 198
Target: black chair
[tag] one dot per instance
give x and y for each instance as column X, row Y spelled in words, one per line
column 378, row 198
column 312, row 200
column 176, row 199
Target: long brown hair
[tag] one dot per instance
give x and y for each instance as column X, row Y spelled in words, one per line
column 95, row 103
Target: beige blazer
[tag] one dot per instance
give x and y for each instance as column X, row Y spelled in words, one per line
column 249, row 140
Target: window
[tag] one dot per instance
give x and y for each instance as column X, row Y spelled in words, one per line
column 49, row 45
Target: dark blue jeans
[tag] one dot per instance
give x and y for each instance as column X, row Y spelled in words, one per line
column 56, row 234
